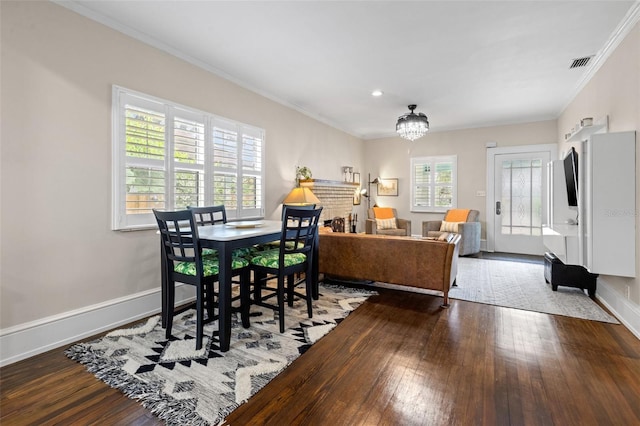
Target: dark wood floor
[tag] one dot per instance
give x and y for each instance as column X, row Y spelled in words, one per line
column 398, row 359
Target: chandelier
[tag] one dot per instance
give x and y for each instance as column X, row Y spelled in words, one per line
column 412, row 126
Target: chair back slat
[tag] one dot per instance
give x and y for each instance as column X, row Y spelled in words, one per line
column 209, row 215
column 179, row 235
column 292, row 206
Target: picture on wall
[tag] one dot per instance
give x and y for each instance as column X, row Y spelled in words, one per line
column 388, row 187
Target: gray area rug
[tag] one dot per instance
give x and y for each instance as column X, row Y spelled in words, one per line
column 183, row 386
column 522, row 286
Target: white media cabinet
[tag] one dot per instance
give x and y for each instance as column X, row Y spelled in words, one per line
column 604, row 239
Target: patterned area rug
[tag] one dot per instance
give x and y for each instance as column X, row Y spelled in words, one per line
column 187, row 387
column 521, row 285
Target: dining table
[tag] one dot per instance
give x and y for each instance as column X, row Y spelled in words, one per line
column 225, row 238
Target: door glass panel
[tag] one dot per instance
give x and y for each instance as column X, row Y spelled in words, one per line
column 536, row 198
column 505, row 200
column 521, row 197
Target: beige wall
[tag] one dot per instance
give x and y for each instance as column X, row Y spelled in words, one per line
column 57, row 251
column 613, row 91
column 390, row 157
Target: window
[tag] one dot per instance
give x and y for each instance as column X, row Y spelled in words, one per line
column 167, row 156
column 433, row 183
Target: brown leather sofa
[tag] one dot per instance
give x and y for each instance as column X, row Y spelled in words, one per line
column 414, row 262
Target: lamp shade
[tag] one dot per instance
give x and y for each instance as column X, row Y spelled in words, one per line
column 301, row 196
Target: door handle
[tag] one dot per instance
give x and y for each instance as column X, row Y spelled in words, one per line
column 498, row 210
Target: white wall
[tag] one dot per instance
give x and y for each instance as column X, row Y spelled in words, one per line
column 614, row 91
column 390, row 157
column 57, row 252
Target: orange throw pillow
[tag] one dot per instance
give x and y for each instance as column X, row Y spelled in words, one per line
column 457, row 215
column 383, row 212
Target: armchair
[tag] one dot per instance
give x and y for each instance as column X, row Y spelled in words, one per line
column 385, row 221
column 459, row 221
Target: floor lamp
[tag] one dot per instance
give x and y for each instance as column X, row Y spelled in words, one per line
column 367, row 192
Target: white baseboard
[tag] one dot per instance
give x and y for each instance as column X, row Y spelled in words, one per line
column 626, row 311
column 35, row 337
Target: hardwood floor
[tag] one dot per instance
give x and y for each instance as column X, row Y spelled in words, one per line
column 398, row 359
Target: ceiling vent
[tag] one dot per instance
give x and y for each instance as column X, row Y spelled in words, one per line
column 580, row 62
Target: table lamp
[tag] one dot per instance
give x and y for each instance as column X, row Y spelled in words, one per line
column 301, row 196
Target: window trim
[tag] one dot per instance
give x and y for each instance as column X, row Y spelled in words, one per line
column 453, row 159
column 120, row 220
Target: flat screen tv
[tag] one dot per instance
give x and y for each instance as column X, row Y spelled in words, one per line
column 571, row 177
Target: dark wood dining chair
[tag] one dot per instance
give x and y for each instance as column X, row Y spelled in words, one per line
column 276, row 243
column 293, row 255
column 185, row 264
column 214, row 215
column 209, row 215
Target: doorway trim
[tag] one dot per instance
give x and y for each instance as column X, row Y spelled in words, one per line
column 491, row 196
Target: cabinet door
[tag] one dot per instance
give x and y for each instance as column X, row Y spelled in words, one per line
column 612, row 204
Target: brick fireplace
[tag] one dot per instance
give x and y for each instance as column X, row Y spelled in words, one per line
column 336, row 197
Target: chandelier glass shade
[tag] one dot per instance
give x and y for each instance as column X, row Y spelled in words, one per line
column 412, row 126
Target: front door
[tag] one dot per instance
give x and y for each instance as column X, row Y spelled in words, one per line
column 520, row 184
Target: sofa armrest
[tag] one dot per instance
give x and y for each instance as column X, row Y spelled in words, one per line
column 404, row 224
column 470, row 233
column 430, row 225
column 470, row 227
column 370, row 226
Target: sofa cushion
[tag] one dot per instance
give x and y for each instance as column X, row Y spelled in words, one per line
column 398, row 232
column 449, row 226
column 386, row 223
column 440, row 235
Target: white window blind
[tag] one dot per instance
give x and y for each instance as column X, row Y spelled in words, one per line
column 433, row 183
column 168, row 156
column 188, row 160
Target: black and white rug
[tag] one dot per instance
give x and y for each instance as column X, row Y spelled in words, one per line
column 183, row 386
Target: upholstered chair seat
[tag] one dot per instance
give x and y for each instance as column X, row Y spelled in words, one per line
column 209, row 266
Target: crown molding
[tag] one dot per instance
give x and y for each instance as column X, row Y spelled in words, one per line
column 622, row 30
column 153, row 42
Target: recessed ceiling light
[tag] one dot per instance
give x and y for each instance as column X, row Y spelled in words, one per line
column 377, row 93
